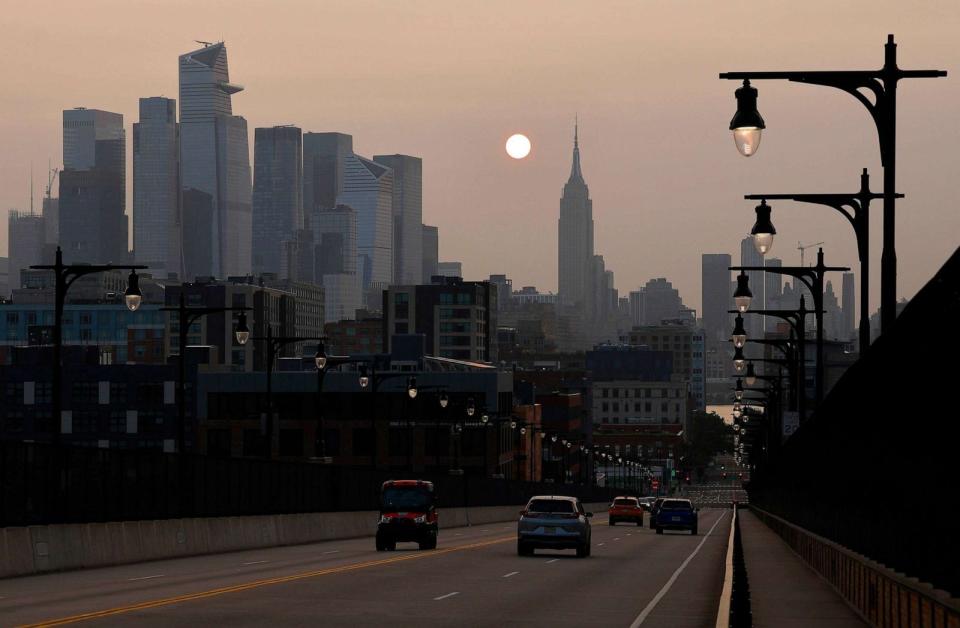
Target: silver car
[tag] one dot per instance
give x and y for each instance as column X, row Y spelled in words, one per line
column 554, row 522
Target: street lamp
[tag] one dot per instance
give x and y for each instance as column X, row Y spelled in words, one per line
column 738, row 392
column 747, row 124
column 861, row 84
column 274, row 345
column 763, row 230
column 412, row 387
column 320, row 359
column 364, row 378
column 64, row 276
column 856, row 209
column 742, row 295
column 133, row 296
column 471, row 407
column 751, row 377
column 444, row 400
column 242, row 331
column 739, row 336
column 187, row 316
column 739, row 361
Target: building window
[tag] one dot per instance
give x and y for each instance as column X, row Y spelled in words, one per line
column 616, row 406
column 606, row 393
column 400, row 328
column 647, row 407
column 604, row 407
column 616, row 393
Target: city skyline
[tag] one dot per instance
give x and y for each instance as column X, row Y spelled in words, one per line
column 640, row 172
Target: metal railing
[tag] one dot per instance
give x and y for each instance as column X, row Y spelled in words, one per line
column 882, row 597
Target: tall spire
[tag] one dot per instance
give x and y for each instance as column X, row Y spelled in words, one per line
column 575, row 173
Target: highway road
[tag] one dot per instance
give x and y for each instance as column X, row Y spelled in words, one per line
column 475, row 578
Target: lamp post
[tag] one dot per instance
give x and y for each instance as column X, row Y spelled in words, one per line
column 813, row 278
column 856, row 209
column 64, row 276
column 187, row 316
column 320, row 361
column 797, row 320
column 274, row 345
column 882, row 84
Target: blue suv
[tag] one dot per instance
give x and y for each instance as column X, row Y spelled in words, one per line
column 675, row 514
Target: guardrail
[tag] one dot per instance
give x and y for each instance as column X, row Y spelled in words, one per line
column 881, row 596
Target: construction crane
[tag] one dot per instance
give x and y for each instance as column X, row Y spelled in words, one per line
column 50, row 179
column 803, row 247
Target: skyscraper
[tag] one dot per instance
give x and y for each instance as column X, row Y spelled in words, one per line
column 277, row 194
column 335, row 232
column 773, row 284
column 575, row 235
column 26, row 240
column 407, row 216
column 368, row 189
column 156, row 186
column 214, row 168
column 716, row 297
column 431, row 252
column 661, row 301
column 324, row 159
column 754, row 323
column 93, row 225
column 849, row 305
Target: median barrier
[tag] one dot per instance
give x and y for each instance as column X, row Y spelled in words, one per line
column 59, row 547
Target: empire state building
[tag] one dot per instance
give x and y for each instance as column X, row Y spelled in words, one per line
column 575, row 248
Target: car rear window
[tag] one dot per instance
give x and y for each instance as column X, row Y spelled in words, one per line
column 550, row 505
column 624, row 502
column 676, row 504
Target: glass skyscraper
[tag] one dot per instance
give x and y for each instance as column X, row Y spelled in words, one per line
column 93, row 225
column 368, row 189
column 156, row 188
column 214, row 168
column 407, row 217
column 277, row 194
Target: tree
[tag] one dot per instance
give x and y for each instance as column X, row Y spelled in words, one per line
column 707, row 436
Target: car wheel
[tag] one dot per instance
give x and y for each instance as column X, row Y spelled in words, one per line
column 391, row 546
column 583, row 550
column 639, row 523
column 693, row 530
column 380, row 545
column 612, row 522
column 523, row 549
column 659, row 530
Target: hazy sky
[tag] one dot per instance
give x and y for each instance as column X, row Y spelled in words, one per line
column 449, row 81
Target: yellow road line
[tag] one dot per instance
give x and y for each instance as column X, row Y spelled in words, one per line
column 261, row 583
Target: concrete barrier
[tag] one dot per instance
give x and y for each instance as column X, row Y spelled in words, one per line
column 39, row 549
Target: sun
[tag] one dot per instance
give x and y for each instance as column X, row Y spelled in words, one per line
column 518, row 146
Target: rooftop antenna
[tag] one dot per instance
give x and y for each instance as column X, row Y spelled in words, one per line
column 31, row 188
column 205, row 44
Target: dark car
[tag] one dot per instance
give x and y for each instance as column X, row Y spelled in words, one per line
column 676, row 514
column 554, row 522
column 408, row 512
column 653, row 510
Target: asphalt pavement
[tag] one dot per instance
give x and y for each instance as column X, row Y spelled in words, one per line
column 474, row 578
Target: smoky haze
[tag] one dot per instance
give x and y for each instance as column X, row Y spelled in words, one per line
column 449, row 82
